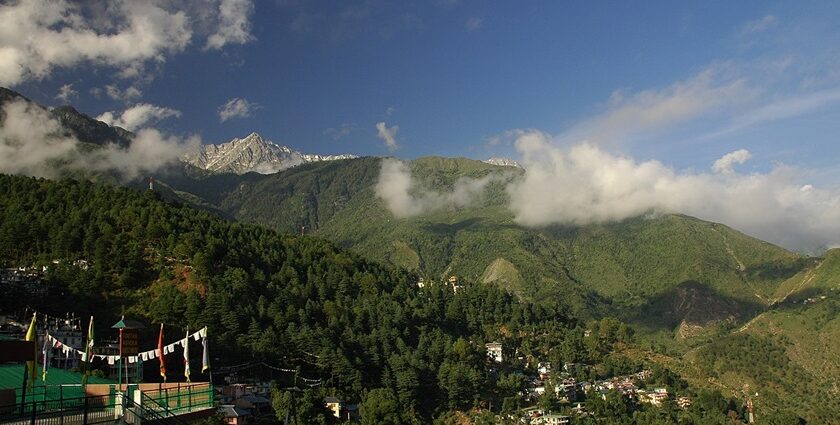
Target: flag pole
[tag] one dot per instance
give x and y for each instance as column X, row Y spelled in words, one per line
column 119, row 373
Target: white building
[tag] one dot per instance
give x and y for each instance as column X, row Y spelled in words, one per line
column 494, row 351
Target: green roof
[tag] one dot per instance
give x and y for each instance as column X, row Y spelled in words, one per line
column 60, row 383
column 128, row 324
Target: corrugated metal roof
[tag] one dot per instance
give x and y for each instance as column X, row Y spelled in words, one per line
column 60, row 382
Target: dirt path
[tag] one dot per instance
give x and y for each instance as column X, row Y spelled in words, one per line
column 808, row 278
column 741, row 267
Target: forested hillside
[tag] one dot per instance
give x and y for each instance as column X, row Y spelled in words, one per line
column 639, row 269
column 670, row 274
column 367, row 331
column 342, row 302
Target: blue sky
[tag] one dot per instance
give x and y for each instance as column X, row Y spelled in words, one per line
column 456, row 75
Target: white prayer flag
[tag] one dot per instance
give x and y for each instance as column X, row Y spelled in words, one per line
column 186, row 343
column 111, row 360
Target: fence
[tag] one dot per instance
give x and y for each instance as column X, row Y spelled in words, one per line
column 181, row 398
column 161, row 405
column 65, row 411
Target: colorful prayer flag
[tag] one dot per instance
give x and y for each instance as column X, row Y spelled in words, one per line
column 45, row 357
column 87, row 357
column 31, row 366
column 205, row 356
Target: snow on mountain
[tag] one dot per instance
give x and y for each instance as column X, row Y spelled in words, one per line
column 252, row 153
column 505, row 162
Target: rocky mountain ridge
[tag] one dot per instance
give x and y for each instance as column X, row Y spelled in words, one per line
column 252, row 153
column 501, row 161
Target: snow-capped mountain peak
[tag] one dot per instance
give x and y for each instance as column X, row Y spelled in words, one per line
column 505, row 162
column 252, row 153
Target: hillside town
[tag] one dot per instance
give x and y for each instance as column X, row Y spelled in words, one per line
column 243, row 393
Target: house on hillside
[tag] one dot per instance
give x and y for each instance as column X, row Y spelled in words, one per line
column 684, row 402
column 70, row 334
column 27, row 280
column 235, row 415
column 544, row 369
column 255, row 404
column 553, row 419
column 454, row 283
column 494, row 351
column 655, row 397
column 334, row 405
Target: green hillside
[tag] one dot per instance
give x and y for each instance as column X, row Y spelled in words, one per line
column 296, row 302
column 672, row 274
column 721, row 308
column 667, row 272
column 363, row 331
column 788, row 354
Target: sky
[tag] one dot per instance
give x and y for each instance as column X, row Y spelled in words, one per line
column 747, row 89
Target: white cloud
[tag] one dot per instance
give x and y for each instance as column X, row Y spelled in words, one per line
column 710, row 91
column 725, row 163
column 236, row 108
column 760, row 25
column 585, row 184
column 26, row 145
column 66, row 93
column 150, row 150
column 338, row 133
column 404, row 198
column 138, row 116
column 388, row 135
column 474, row 23
column 37, row 36
column 129, row 94
column 234, row 24
column 789, row 107
column 30, row 145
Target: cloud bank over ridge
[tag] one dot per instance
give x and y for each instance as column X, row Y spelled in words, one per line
column 31, row 143
column 585, row 184
column 405, row 198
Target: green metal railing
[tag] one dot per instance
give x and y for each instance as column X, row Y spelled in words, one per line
column 181, row 398
column 142, row 413
column 159, row 406
column 49, row 392
column 65, row 411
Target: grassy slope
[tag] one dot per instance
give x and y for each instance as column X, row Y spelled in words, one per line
column 803, row 373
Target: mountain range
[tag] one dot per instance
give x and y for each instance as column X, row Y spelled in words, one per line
column 694, row 289
column 252, row 154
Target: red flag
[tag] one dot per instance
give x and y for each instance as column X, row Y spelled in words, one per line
column 160, row 354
